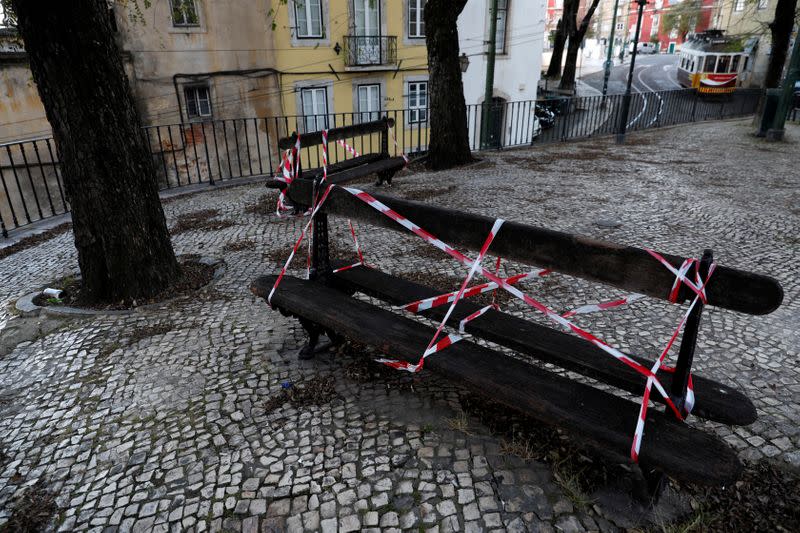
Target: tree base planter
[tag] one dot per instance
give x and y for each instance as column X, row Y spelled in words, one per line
column 37, row 302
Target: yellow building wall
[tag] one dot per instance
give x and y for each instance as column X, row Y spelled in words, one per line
column 313, row 62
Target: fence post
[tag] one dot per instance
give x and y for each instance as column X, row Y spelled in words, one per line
column 694, row 105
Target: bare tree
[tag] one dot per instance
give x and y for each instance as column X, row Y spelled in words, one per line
column 682, row 17
column 575, row 35
column 559, row 40
column 449, row 137
column 124, row 248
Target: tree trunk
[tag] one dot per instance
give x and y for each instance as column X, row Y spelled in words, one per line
column 449, row 137
column 576, row 35
column 554, row 69
column 124, row 248
column 568, row 76
column 781, row 30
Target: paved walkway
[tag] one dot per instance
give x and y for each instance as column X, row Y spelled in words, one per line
column 160, row 419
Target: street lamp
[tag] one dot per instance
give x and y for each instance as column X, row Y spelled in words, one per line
column 463, row 62
column 626, row 101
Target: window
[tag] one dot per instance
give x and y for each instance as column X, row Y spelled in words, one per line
column 723, row 64
column 184, row 13
column 369, row 102
column 315, row 108
column 308, row 18
column 735, row 64
column 620, row 26
column 198, row 102
column 762, row 4
column 502, row 19
column 738, row 5
column 417, row 101
column 710, row 62
column 416, row 20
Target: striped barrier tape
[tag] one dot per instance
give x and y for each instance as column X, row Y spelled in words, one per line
column 640, row 422
column 602, row 306
column 349, row 148
column 396, row 147
column 476, row 314
column 297, row 244
column 552, row 315
column 436, row 345
column 436, row 301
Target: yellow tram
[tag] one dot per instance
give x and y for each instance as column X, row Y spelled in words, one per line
column 712, row 63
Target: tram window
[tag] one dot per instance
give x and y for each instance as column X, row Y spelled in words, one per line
column 735, row 64
column 723, row 64
column 710, row 62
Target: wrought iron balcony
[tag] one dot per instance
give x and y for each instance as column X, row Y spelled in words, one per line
column 369, row 50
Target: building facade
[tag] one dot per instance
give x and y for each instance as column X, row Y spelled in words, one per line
column 519, row 41
column 749, row 20
column 698, row 16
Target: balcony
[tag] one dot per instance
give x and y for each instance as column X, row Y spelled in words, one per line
column 369, row 50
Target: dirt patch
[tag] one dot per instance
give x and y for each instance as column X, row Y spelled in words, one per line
column 32, row 511
column 265, row 205
column 193, row 275
column 315, row 391
column 427, row 194
column 278, row 256
column 33, row 240
column 365, row 370
column 150, row 331
column 766, row 498
column 539, row 161
column 239, row 246
column 203, row 220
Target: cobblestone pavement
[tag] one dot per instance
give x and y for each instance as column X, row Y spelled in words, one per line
column 157, row 420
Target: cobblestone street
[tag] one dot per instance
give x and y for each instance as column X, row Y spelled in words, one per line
column 161, row 419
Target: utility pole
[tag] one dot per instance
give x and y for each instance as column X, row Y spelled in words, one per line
column 489, row 92
column 775, row 133
column 626, row 101
column 609, row 63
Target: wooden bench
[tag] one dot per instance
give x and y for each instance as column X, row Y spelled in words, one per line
column 380, row 163
column 602, row 420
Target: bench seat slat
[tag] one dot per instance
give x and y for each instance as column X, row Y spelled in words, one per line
column 606, row 420
column 714, row 401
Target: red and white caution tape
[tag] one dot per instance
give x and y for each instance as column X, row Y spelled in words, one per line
column 476, row 314
column 297, row 244
column 396, row 147
column 288, row 166
column 639, row 432
column 552, row 315
column 436, row 345
column 592, row 308
column 436, row 301
column 349, row 148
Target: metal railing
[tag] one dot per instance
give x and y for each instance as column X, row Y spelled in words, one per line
column 368, row 50
column 543, row 121
column 31, row 185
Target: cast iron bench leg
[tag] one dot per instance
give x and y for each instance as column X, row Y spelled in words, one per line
column 648, row 484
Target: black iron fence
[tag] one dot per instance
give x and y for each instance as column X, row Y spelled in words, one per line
column 31, row 185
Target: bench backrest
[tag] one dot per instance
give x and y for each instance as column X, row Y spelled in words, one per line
column 624, row 267
column 314, row 138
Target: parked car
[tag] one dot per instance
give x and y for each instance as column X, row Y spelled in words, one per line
column 647, row 48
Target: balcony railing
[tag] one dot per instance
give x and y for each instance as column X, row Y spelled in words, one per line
column 369, row 50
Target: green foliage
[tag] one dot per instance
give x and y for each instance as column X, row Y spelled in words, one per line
column 682, row 17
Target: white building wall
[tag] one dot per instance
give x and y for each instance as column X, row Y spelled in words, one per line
column 517, row 72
